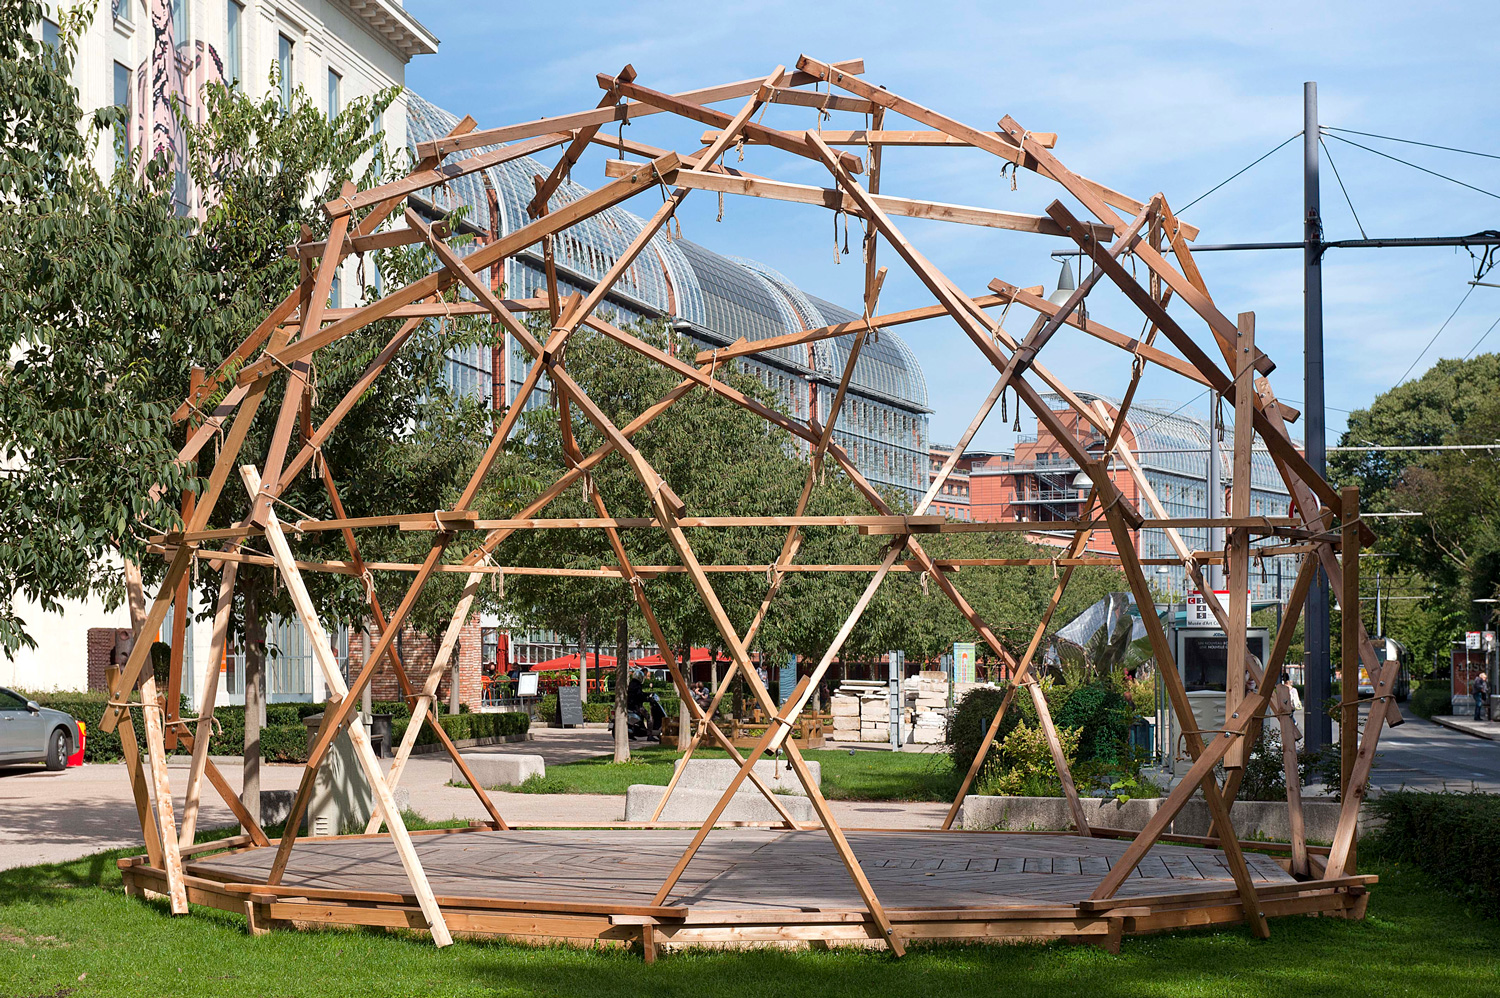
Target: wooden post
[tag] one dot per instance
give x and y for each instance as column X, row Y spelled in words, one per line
column 1239, row 542
column 1281, row 701
column 209, row 690
column 1349, row 660
column 255, row 698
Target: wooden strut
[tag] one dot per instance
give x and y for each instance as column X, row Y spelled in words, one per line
column 385, row 804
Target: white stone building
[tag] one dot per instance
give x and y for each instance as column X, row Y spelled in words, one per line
column 140, row 53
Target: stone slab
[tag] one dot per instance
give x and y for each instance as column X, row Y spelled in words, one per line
column 695, row 805
column 716, row 774
column 501, row 769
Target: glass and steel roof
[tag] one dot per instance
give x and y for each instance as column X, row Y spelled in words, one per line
column 721, row 296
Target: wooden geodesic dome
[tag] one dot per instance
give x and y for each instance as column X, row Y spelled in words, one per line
column 1098, row 890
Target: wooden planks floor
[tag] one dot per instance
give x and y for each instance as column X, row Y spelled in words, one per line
column 747, row 868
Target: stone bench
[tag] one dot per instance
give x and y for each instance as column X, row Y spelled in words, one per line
column 689, row 804
column 500, row 769
column 716, row 774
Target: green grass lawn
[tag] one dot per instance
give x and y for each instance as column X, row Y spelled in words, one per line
column 858, row 775
column 69, row 930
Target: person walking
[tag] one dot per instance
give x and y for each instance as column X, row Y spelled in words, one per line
column 1481, row 693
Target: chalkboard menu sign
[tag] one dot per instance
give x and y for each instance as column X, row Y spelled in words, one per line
column 569, row 705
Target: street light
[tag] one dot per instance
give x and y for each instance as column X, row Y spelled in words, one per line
column 1065, row 285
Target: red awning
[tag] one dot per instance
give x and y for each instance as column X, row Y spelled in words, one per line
column 657, row 662
column 570, row 662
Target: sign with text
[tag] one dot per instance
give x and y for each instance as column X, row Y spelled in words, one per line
column 1198, row 613
column 570, row 705
column 1471, row 640
column 526, row 684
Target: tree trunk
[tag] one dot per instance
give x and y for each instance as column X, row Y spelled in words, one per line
column 598, row 667
column 622, row 682
column 583, row 661
column 685, row 716
column 255, row 699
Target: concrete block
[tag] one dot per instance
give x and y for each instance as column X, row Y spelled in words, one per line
column 875, row 710
column 877, row 735
column 846, row 724
column 501, row 769
column 1252, row 819
column 694, row 805
column 1265, row 819
column 844, row 706
column 926, row 735
column 716, row 774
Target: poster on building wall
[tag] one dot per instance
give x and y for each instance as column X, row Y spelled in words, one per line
column 963, row 662
column 1198, row 613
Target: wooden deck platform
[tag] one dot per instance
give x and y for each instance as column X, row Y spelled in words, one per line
column 748, row 886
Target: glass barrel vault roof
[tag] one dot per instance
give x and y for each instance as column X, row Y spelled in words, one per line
column 722, row 297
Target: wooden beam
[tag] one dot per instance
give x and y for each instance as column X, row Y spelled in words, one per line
column 416, row 181
column 1239, row 540
column 784, row 141
column 624, row 112
column 879, row 136
column 833, row 199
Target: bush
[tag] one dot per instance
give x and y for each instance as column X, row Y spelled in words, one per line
column 1103, row 716
column 1427, row 700
column 971, row 717
column 1453, row 837
column 1024, row 766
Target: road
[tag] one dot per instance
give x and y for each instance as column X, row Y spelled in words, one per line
column 1420, row 755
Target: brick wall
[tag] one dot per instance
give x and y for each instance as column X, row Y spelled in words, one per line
column 417, row 652
column 101, row 646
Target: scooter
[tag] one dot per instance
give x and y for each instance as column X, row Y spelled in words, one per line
column 638, row 720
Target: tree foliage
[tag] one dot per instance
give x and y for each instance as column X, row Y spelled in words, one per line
column 1454, row 546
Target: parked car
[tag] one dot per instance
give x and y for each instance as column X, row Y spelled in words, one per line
column 30, row 732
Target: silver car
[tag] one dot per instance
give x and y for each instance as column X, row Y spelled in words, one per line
column 30, row 732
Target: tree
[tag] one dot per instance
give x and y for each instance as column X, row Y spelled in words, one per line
column 99, row 283
column 1454, row 546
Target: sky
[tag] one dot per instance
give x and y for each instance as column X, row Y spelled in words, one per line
column 1145, row 98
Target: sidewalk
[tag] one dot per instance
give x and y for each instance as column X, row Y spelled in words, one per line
column 1469, row 726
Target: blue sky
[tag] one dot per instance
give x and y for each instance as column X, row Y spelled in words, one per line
column 1146, row 97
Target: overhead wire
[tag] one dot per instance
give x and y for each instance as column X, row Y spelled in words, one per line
column 1414, row 166
column 1345, row 190
column 1435, row 335
column 1482, row 338
column 1411, row 142
column 1221, row 183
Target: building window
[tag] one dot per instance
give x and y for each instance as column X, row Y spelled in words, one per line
column 49, row 32
column 179, row 22
column 122, row 101
column 234, row 11
column 121, row 10
column 285, row 66
column 335, row 105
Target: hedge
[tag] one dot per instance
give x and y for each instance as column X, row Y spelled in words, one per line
column 283, row 739
column 1427, row 701
column 1455, row 837
column 461, row 726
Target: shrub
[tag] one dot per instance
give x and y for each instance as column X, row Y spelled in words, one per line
column 971, row 717
column 1453, row 837
column 1024, row 767
column 1436, row 699
column 461, row 726
column 1103, row 717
